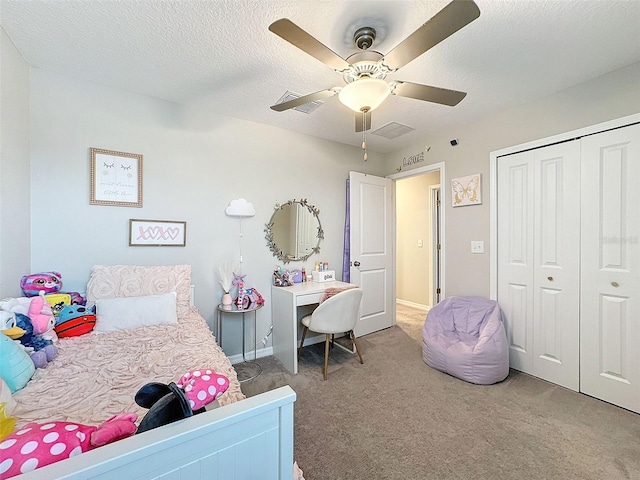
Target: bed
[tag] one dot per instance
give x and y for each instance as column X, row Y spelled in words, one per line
column 97, row 375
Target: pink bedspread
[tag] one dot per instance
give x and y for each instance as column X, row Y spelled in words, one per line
column 95, row 376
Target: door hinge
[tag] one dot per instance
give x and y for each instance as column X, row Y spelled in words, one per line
column 438, row 247
column 437, row 290
column 438, row 203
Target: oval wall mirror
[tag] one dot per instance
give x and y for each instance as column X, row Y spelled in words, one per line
column 294, row 231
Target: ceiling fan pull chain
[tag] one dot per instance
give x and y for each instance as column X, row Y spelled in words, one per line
column 364, row 133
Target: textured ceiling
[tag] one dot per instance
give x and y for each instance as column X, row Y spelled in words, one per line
column 220, row 54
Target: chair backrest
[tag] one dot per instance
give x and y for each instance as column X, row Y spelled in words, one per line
column 338, row 313
column 468, row 315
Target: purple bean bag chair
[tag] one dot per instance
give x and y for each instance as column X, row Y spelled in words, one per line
column 465, row 337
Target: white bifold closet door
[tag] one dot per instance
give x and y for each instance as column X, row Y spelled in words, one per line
column 610, row 296
column 539, row 260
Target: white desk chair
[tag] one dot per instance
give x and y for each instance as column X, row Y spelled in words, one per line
column 337, row 314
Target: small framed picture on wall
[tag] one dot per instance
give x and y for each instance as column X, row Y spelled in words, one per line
column 116, row 178
column 466, row 190
column 157, row 233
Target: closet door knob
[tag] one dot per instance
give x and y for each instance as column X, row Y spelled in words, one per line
column 550, row 279
column 356, row 263
column 615, row 284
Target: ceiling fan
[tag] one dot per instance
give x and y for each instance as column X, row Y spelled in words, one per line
column 364, row 72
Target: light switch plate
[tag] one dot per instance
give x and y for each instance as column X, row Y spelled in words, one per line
column 477, row 246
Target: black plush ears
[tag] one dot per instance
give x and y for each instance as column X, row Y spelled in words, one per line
column 166, row 404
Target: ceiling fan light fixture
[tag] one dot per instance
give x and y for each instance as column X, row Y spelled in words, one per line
column 364, row 93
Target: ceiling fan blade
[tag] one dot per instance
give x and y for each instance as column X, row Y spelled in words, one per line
column 312, row 97
column 293, row 34
column 360, row 124
column 446, row 22
column 428, row 93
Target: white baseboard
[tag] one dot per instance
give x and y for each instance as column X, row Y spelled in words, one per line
column 265, row 352
column 262, row 352
column 419, row 306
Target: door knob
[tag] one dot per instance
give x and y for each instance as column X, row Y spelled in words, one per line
column 356, row 263
column 550, row 279
column 615, row 284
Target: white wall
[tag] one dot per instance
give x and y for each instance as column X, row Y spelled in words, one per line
column 610, row 96
column 14, row 168
column 194, row 164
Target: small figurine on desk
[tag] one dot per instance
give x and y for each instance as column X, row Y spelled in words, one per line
column 241, row 295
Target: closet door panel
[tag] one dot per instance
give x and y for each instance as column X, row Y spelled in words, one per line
column 557, row 264
column 515, row 255
column 610, row 247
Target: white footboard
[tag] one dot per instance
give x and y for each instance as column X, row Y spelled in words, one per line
column 251, row 439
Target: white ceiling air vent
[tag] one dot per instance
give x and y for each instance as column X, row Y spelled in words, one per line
column 305, row 108
column 392, row 130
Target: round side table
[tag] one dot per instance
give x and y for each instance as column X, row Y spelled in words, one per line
column 247, row 370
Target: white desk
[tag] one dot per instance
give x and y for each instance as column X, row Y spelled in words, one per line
column 286, row 316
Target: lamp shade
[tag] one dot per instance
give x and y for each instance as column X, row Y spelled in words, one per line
column 364, row 93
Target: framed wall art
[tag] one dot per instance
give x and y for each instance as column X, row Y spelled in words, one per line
column 466, row 190
column 116, row 178
column 157, row 233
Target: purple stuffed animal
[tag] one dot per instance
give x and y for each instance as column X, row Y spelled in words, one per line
column 47, row 282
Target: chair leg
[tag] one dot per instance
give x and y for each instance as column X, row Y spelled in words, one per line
column 304, row 334
column 326, row 356
column 355, row 342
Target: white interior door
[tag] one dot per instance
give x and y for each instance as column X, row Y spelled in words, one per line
column 539, row 260
column 371, row 247
column 610, row 296
column 556, row 259
column 515, row 255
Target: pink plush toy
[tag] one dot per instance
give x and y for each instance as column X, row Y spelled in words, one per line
column 36, row 445
column 41, row 315
column 202, row 387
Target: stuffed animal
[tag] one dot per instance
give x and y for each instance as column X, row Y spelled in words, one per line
column 9, row 325
column 36, row 445
column 41, row 350
column 16, row 368
column 7, row 422
column 41, row 315
column 173, row 402
column 47, row 282
column 16, row 305
column 74, row 320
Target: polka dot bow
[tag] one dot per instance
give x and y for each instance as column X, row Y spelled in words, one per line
column 202, row 387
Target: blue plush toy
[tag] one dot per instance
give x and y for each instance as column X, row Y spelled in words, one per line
column 16, row 368
column 74, row 320
column 43, row 350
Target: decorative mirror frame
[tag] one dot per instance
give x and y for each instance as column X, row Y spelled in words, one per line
column 275, row 250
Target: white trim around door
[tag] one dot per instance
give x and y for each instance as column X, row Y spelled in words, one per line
column 435, row 167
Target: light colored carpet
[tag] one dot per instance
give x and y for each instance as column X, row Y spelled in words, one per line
column 396, row 418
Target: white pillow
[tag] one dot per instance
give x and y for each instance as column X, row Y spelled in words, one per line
column 133, row 312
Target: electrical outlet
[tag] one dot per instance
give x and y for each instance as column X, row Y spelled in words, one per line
column 477, row 246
